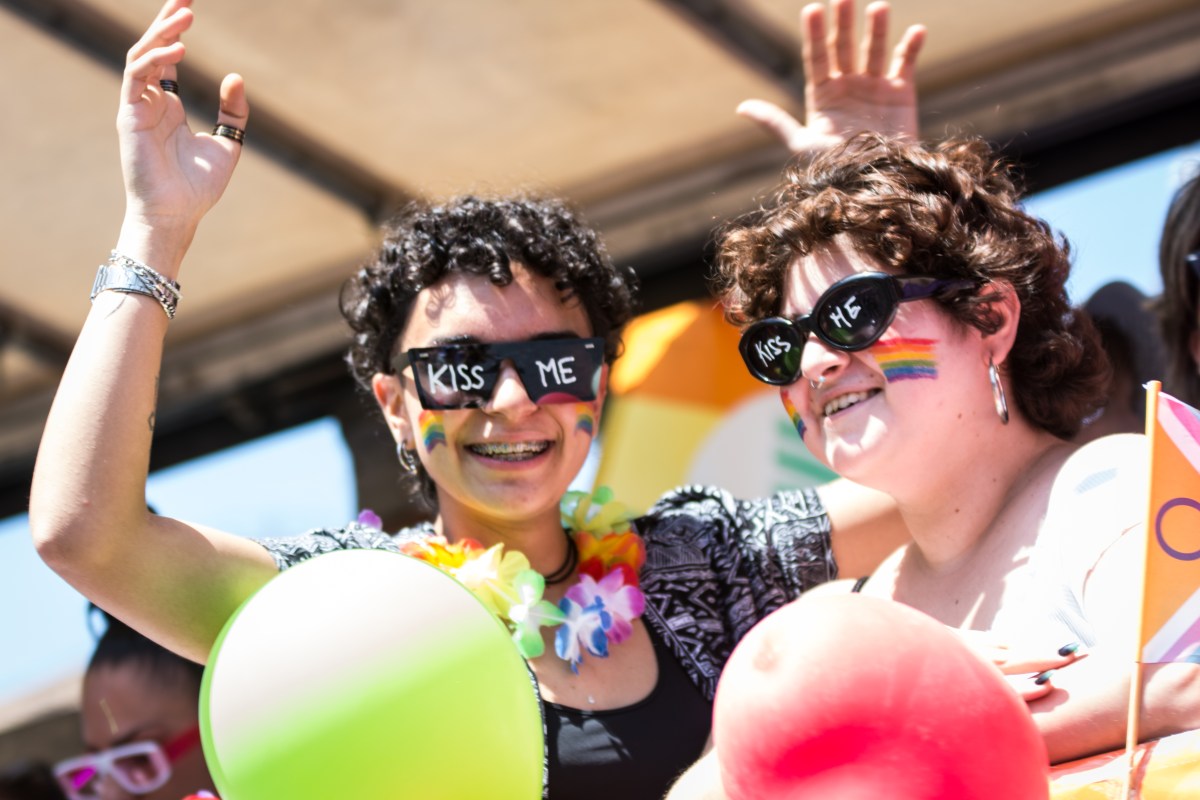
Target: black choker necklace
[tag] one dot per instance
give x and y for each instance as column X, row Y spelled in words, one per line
column 569, row 563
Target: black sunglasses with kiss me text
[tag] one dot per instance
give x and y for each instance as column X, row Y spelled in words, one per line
column 464, row 375
column 851, row 315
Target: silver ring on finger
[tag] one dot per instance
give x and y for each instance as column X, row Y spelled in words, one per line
column 230, row 132
column 169, row 85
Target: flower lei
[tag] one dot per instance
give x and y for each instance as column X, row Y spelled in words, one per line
column 599, row 609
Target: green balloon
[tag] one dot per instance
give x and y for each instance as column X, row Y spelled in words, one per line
column 373, row 676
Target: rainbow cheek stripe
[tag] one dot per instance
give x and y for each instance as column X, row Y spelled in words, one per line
column 433, row 432
column 905, row 359
column 585, row 422
column 792, row 413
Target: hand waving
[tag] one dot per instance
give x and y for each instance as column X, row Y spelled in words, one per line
column 842, row 98
column 172, row 175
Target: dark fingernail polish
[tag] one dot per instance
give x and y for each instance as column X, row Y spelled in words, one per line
column 1068, row 649
column 1043, row 678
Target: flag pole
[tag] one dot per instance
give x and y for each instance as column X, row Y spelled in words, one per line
column 1132, row 788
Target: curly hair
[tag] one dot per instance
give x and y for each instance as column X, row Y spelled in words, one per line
column 949, row 211
column 1181, row 291
column 478, row 236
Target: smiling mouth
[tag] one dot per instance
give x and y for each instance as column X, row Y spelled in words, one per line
column 510, row 451
column 845, row 401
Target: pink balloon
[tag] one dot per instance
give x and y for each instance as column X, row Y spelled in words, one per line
column 853, row 697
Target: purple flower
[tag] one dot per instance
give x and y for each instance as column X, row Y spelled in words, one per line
column 623, row 603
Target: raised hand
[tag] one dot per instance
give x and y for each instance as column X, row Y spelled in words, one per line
column 172, row 175
column 844, row 95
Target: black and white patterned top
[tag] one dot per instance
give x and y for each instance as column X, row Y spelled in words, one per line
column 715, row 565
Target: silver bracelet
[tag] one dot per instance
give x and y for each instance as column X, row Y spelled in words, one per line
column 124, row 274
column 152, row 276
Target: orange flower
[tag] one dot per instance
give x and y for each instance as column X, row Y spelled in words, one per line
column 612, row 549
column 440, row 552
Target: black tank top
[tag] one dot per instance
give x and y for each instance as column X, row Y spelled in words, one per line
column 633, row 752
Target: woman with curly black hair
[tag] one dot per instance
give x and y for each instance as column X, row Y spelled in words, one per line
column 916, row 322
column 489, row 243
column 484, row 329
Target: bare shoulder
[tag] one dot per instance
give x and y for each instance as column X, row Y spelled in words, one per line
column 1098, row 495
column 1104, row 482
column 1118, row 452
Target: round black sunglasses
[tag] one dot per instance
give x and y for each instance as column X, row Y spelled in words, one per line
column 851, row 315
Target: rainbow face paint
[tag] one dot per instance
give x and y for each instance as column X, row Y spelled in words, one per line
column 585, row 421
column 792, row 413
column 905, row 359
column 433, row 432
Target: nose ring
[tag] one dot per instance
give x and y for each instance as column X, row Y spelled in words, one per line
column 817, row 384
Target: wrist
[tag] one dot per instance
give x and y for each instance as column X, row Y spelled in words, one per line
column 157, row 241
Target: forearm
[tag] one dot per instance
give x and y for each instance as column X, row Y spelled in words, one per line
column 1087, row 711
column 866, row 527
column 88, row 493
column 175, row 582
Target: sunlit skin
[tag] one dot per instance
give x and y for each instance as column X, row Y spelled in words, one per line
column 504, row 499
column 888, row 424
column 128, row 703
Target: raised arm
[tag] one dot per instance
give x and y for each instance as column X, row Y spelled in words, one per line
column 177, row 583
column 845, row 94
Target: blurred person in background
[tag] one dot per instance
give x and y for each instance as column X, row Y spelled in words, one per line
column 140, row 720
column 1179, row 306
column 29, row 780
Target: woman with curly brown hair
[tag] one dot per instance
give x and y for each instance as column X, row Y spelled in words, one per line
column 916, row 322
column 484, row 329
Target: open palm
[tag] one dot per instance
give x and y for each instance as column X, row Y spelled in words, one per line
column 843, row 97
column 171, row 173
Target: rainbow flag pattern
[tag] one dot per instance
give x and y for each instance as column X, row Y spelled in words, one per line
column 792, row 413
column 433, row 432
column 1171, row 605
column 905, row 359
column 585, row 422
